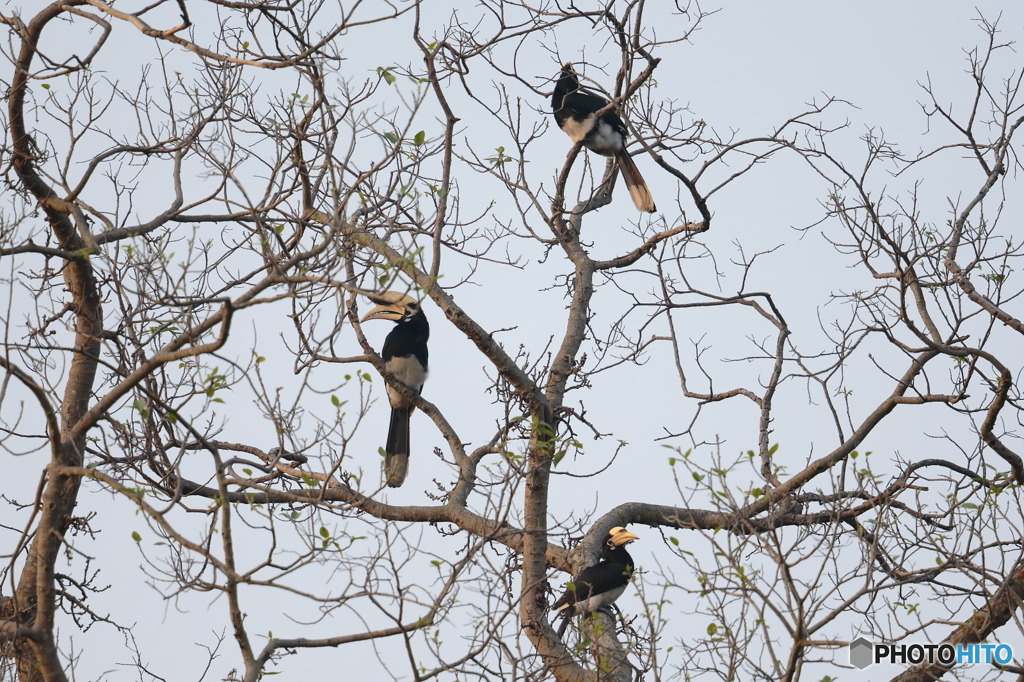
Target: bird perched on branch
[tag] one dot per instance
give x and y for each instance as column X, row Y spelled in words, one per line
column 599, row 585
column 405, row 356
column 576, row 114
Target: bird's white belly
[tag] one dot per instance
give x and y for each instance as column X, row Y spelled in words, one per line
column 598, row 600
column 410, row 372
column 605, row 140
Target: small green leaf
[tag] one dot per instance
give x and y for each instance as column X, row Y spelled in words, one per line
column 712, row 629
column 136, row 536
column 420, row 138
column 500, row 157
column 324, row 533
column 141, row 407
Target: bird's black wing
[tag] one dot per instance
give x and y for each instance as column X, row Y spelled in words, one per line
column 407, row 338
column 579, row 105
column 594, row 580
column 601, row 578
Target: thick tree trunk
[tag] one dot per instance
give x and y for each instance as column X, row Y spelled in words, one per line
column 33, row 606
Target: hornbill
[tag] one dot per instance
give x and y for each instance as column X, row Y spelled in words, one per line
column 576, row 114
column 599, row 585
column 405, row 356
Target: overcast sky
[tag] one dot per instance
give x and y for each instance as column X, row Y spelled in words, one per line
column 751, row 66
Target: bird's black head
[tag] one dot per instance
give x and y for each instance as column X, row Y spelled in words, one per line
column 567, row 83
column 411, row 308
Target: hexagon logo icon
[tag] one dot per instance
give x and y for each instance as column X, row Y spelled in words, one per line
column 860, row 653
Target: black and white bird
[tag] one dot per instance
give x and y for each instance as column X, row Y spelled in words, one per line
column 405, row 356
column 599, row 585
column 576, row 114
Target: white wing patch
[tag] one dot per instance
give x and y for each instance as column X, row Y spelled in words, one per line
column 577, row 130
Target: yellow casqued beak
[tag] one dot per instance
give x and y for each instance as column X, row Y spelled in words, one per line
column 392, row 306
column 391, row 311
column 621, row 536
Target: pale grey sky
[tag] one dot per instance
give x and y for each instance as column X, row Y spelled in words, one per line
column 752, row 65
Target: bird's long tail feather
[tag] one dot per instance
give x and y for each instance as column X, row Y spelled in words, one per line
column 635, row 182
column 565, row 624
column 396, row 452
